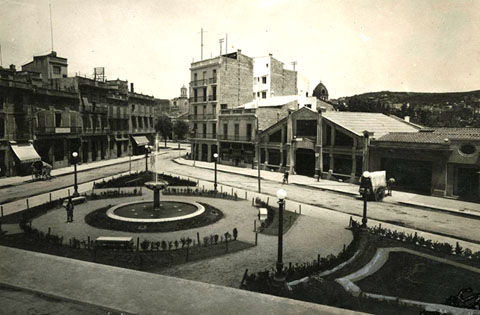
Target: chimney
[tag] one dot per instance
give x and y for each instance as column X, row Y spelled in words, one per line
column 131, row 88
column 12, row 67
column 407, row 118
column 270, row 55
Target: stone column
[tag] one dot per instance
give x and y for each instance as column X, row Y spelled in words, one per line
column 319, row 147
column 290, row 145
column 354, row 160
column 209, row 154
column 332, row 145
column 366, row 143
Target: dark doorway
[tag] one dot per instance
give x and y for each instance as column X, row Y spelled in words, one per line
column 409, row 175
column 204, row 152
column 305, row 162
column 466, row 183
column 119, row 149
column 94, row 150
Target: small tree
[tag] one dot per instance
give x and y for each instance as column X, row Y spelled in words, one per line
column 164, row 245
column 180, row 129
column 164, row 127
column 176, row 244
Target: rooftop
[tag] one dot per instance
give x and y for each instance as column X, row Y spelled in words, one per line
column 275, row 101
column 436, row 136
column 377, row 123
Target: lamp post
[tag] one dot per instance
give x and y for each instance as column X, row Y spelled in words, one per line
column 365, row 190
column 281, row 195
column 146, row 158
column 75, row 184
column 192, row 145
column 215, row 156
column 258, row 156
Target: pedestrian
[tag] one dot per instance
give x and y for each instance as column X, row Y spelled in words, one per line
column 69, row 208
column 390, row 183
column 285, row 177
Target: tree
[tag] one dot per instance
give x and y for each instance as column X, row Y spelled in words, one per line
column 164, row 127
column 180, row 129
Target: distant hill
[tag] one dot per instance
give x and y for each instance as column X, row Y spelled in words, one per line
column 452, row 109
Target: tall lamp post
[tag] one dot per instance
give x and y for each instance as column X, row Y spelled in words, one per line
column 258, row 156
column 365, row 191
column 215, row 157
column 281, row 195
column 146, row 157
column 75, row 183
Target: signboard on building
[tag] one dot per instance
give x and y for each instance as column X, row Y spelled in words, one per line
column 62, row 130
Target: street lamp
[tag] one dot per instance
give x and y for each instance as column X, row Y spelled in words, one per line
column 75, row 185
column 281, row 195
column 215, row 156
column 365, row 191
column 146, row 157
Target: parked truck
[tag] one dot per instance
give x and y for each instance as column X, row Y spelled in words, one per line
column 373, row 184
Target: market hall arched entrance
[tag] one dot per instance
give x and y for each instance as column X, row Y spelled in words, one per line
column 305, row 162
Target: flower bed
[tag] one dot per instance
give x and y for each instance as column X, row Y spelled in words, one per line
column 139, row 179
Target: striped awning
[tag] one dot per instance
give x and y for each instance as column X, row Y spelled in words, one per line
column 25, row 153
column 140, row 140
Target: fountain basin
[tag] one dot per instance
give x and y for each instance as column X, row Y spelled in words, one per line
column 145, row 212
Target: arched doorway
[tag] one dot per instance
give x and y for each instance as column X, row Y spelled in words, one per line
column 305, row 162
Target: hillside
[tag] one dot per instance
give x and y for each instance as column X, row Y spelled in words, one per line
column 453, row 109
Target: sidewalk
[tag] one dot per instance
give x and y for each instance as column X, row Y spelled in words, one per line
column 137, row 292
column 429, row 202
column 18, row 180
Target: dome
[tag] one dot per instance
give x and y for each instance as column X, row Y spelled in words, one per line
column 321, row 92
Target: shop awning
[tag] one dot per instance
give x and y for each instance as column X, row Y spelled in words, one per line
column 26, row 153
column 140, row 140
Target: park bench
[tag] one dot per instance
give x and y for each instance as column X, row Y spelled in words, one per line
column 75, row 200
column 114, row 242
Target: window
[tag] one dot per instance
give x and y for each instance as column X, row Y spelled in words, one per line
column 307, row 128
column 214, row 109
column 204, row 109
column 56, row 69
column 214, row 93
column 467, row 149
column 214, row 130
column 195, row 110
column 2, row 128
column 225, row 131
column 264, row 94
column 204, row 130
column 2, row 101
column 237, row 131
column 214, row 75
column 264, row 80
column 249, row 132
column 58, row 120
column 266, row 65
column 195, row 77
column 258, row 94
column 223, row 106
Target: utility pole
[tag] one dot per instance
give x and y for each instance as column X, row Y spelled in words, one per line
column 226, row 43
column 1, row 59
column 201, row 44
column 51, row 25
column 220, row 41
column 294, row 63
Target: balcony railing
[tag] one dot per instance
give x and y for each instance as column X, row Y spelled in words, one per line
column 212, row 80
column 236, row 138
column 202, row 116
column 200, row 99
column 196, row 83
column 200, row 135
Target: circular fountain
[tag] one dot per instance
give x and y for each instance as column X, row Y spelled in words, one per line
column 156, row 211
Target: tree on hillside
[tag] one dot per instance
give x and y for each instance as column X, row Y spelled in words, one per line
column 180, row 129
column 164, row 127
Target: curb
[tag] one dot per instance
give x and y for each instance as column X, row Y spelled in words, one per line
column 435, row 208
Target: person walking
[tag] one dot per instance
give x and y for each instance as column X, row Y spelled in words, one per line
column 390, row 183
column 285, row 177
column 69, row 208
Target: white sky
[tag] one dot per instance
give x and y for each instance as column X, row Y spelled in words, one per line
column 351, row 46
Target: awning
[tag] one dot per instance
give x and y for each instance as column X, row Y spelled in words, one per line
column 140, row 140
column 25, row 153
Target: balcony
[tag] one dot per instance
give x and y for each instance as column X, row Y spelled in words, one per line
column 236, row 138
column 202, row 116
column 212, row 136
column 58, row 130
column 198, row 83
column 199, row 99
column 212, row 81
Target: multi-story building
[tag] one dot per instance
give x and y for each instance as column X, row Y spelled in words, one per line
column 179, row 105
column 218, row 83
column 46, row 115
column 227, row 82
column 270, row 78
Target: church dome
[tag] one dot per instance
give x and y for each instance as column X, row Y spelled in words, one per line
column 321, row 92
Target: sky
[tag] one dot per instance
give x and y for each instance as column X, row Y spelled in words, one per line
column 352, row 47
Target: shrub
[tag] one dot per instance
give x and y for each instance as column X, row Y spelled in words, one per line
column 164, row 245
column 145, row 245
column 216, row 239
column 206, row 240
column 458, row 249
column 176, row 244
column 467, row 253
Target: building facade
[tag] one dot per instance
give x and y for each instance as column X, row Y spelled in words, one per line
column 46, row 115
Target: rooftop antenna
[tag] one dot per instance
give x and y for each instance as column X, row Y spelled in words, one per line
column 294, row 63
column 220, row 41
column 201, row 45
column 226, row 43
column 51, row 25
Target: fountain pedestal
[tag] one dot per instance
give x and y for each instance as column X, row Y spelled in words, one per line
column 156, row 186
